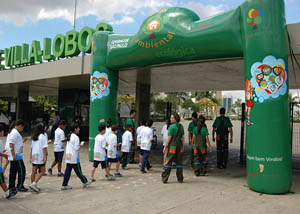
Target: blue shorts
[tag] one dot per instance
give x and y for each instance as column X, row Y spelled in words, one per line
column 103, row 164
column 59, row 156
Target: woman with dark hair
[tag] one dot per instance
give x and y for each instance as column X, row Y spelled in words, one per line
column 72, row 158
column 38, row 156
column 200, row 141
column 174, row 148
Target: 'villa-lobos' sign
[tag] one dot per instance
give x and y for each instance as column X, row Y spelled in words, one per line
column 62, row 46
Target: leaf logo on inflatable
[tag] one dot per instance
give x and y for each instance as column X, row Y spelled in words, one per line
column 99, row 85
column 255, row 17
column 153, row 25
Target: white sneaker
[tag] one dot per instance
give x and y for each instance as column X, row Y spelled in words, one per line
column 66, row 187
column 34, row 187
column 87, row 183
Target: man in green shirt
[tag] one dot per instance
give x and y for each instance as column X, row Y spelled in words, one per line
column 222, row 126
column 191, row 127
column 130, row 121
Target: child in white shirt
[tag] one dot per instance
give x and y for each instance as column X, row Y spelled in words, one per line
column 112, row 154
column 100, row 154
column 127, row 139
column 59, row 147
column 8, row 193
column 38, row 156
column 146, row 143
column 72, row 158
column 138, row 139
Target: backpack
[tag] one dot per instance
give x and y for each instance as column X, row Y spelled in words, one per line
column 222, row 130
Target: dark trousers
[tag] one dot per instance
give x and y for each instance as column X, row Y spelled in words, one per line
column 124, row 159
column 200, row 160
column 17, row 167
column 222, row 151
column 175, row 154
column 192, row 156
column 145, row 159
column 78, row 171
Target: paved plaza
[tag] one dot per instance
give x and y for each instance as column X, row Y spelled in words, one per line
column 223, row 191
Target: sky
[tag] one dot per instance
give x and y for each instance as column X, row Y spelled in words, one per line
column 22, row 21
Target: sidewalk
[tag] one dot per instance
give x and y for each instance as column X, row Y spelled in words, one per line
column 223, row 191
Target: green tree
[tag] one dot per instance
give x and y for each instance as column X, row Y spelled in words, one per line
column 188, row 103
column 207, row 104
column 208, row 94
column 237, row 106
column 126, row 99
column 160, row 106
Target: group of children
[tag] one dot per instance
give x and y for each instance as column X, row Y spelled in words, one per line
column 106, row 152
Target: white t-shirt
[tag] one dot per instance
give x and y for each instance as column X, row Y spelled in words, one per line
column 164, row 133
column 99, row 148
column 138, row 133
column 126, row 141
column 72, row 150
column 59, row 137
column 112, row 146
column 37, row 149
column 15, row 138
column 1, row 151
column 146, row 138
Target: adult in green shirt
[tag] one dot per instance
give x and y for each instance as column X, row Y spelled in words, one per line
column 222, row 126
column 173, row 151
column 191, row 127
column 130, row 121
column 200, row 141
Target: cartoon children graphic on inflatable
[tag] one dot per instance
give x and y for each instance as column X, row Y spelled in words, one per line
column 249, row 98
column 99, row 85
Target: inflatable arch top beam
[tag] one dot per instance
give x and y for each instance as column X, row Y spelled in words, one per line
column 256, row 30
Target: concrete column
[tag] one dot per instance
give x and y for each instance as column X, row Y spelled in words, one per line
column 22, row 105
column 143, row 87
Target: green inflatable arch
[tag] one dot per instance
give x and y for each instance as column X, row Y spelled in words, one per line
column 256, row 31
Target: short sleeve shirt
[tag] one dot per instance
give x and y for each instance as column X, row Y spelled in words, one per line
column 99, row 148
column 173, row 130
column 204, row 131
column 72, row 150
column 1, row 151
column 16, row 139
column 129, row 121
column 218, row 121
column 192, row 125
column 146, row 138
column 126, row 141
column 59, row 137
column 138, row 132
column 112, row 146
column 37, row 147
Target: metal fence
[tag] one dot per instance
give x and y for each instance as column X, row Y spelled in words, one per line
column 295, row 133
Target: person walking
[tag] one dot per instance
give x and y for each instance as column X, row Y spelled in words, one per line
column 191, row 127
column 174, row 149
column 222, row 126
column 130, row 121
column 200, row 142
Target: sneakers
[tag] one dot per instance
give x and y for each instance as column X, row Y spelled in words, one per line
column 93, row 179
column 110, row 178
column 118, row 174
column 22, row 189
column 50, row 171
column 11, row 193
column 125, row 168
column 143, row 171
column 34, row 187
column 60, row 174
column 87, row 183
column 66, row 187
